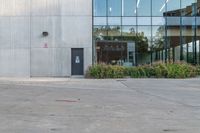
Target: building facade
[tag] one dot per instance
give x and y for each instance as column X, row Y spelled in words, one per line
column 137, row 32
column 60, row 38
column 50, row 38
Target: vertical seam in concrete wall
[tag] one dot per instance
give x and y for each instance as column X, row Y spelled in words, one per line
column 30, row 27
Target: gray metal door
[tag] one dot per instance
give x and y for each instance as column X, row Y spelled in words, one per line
column 77, row 61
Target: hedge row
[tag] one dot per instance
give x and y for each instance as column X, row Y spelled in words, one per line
column 158, row 70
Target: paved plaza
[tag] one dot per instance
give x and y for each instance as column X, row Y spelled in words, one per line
column 99, row 106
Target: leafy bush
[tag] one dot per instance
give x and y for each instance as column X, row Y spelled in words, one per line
column 198, row 70
column 157, row 70
column 161, row 70
column 181, row 70
column 105, row 71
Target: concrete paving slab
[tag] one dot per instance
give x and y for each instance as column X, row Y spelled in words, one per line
column 46, row 105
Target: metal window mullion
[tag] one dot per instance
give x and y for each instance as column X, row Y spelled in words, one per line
column 166, row 38
column 107, row 17
column 151, row 35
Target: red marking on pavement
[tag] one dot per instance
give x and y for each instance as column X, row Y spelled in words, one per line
column 68, row 101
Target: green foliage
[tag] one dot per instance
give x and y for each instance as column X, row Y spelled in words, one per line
column 158, row 70
column 105, row 71
column 198, row 70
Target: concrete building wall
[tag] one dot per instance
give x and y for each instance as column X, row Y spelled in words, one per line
column 24, row 51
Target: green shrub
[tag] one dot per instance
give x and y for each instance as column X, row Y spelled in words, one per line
column 101, row 71
column 157, row 70
column 161, row 70
column 198, row 70
column 181, row 70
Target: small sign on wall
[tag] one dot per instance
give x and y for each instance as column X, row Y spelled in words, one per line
column 77, row 61
column 45, row 45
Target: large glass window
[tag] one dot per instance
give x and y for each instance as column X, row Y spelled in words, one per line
column 188, row 7
column 173, row 8
column 99, row 7
column 100, row 32
column 198, row 52
column 114, row 31
column 144, row 20
column 114, row 8
column 190, row 52
column 173, row 21
column 188, row 33
column 100, row 21
column 144, row 7
column 198, row 38
column 129, row 21
column 158, row 21
column 158, row 7
column 136, row 32
column 158, row 35
column 198, row 8
column 173, row 41
column 143, row 45
column 129, row 7
column 114, row 20
column 129, row 31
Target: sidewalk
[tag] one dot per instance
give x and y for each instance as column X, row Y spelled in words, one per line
column 38, row 79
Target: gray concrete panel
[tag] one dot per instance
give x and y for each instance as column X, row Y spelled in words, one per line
column 77, row 31
column 61, row 62
column 22, row 22
column 41, row 62
column 87, row 58
column 50, row 24
column 76, row 7
column 45, row 7
column 6, row 7
column 15, row 62
column 5, row 32
column 20, row 32
column 22, row 7
column 50, row 62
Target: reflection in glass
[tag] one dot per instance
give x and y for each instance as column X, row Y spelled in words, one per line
column 158, row 21
column 173, row 21
column 189, row 21
column 173, row 8
column 198, row 52
column 198, row 38
column 100, row 7
column 185, row 51
column 143, row 45
column 114, row 8
column 144, row 7
column 158, row 34
column 100, row 21
column 173, row 41
column 129, row 31
column 99, row 32
column 190, row 53
column 158, row 7
column 129, row 21
column 144, row 20
column 129, row 7
column 135, row 32
column 114, row 30
column 188, row 7
column 114, row 21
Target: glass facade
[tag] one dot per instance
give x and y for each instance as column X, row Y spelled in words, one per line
column 138, row 32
